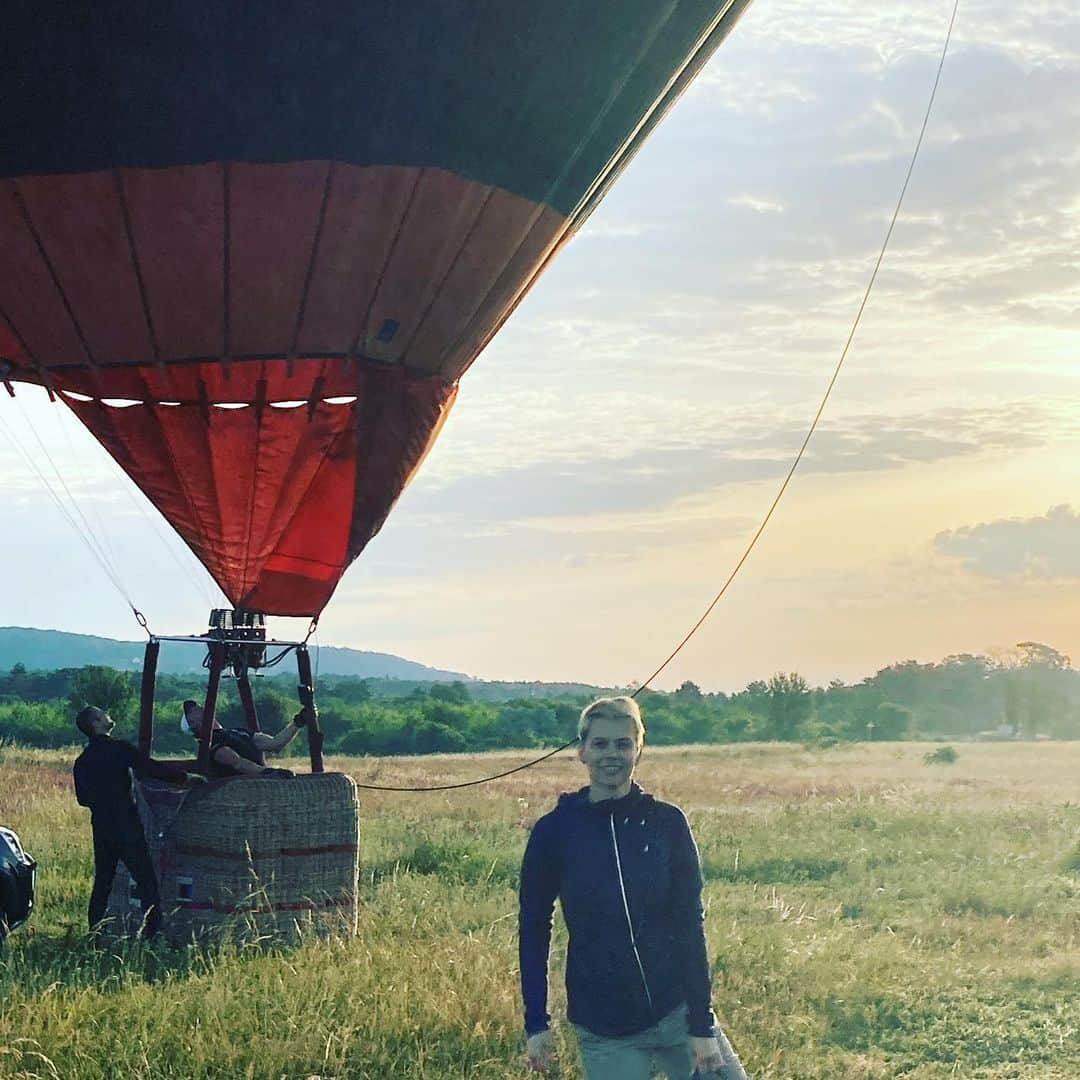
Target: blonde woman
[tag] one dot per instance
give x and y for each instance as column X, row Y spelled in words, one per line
column 625, row 869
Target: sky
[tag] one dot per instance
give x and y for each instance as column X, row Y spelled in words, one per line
column 614, row 449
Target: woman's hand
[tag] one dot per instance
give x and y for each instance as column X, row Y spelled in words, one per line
column 540, row 1051
column 716, row 1057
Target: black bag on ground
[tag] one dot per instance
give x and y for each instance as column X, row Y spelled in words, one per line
column 16, row 882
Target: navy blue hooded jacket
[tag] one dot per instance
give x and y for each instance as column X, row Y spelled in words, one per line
column 615, row 865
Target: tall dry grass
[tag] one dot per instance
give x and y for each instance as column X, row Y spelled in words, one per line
column 869, row 915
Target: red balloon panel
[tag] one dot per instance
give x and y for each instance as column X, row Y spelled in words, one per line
column 276, row 502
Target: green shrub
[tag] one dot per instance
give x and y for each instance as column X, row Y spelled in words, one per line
column 1071, row 865
column 943, row 755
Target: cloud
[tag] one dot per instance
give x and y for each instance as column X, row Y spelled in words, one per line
column 1043, row 32
column 1038, row 548
column 613, row 490
column 637, row 439
column 758, row 203
column 990, row 225
column 615, row 230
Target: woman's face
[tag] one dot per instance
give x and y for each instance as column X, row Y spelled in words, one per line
column 610, row 752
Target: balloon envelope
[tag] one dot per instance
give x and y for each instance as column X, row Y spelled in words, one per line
column 255, row 246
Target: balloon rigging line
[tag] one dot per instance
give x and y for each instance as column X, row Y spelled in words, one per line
column 95, row 544
column 195, row 576
column 82, row 533
column 128, row 489
column 97, row 524
column 836, row 373
column 94, row 534
column 98, row 541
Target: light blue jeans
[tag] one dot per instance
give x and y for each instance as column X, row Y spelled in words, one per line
column 665, row 1046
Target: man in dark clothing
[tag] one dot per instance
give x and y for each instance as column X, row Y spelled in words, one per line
column 103, row 783
column 239, row 752
column 626, row 871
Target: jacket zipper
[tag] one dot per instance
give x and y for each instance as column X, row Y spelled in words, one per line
column 626, row 909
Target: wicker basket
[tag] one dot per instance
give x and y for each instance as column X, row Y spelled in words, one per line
column 249, row 860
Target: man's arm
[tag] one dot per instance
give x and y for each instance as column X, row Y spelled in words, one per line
column 158, row 770
column 269, row 743
column 83, row 789
column 225, row 755
column 536, row 895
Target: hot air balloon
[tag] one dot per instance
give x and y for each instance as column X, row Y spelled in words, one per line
column 254, row 247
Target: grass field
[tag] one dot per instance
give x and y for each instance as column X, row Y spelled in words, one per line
column 869, row 915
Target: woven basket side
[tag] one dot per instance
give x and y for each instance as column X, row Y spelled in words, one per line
column 253, row 859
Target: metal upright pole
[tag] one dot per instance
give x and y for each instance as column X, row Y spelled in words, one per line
column 146, row 699
column 307, row 698
column 243, row 685
column 217, row 663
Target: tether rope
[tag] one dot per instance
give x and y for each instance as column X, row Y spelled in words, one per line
column 471, row 783
column 798, row 458
column 835, row 375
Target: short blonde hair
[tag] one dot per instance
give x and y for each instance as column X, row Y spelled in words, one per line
column 611, row 708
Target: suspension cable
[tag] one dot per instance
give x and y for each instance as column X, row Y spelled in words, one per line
column 197, row 580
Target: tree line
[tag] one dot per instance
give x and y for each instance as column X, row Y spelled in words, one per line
column 1028, row 692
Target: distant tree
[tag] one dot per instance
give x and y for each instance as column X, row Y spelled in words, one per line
column 905, row 683
column 1044, row 688
column 700, row 725
column 429, row 738
column 789, row 704
column 964, row 684
column 443, row 713
column 836, row 717
column 456, row 693
column 16, row 682
column 1036, row 654
column 348, row 688
column 35, row 724
column 105, row 688
column 689, row 690
column 275, row 708
column 753, row 700
column 737, row 724
column 891, row 722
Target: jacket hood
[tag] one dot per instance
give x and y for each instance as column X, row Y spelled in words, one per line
column 579, row 801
